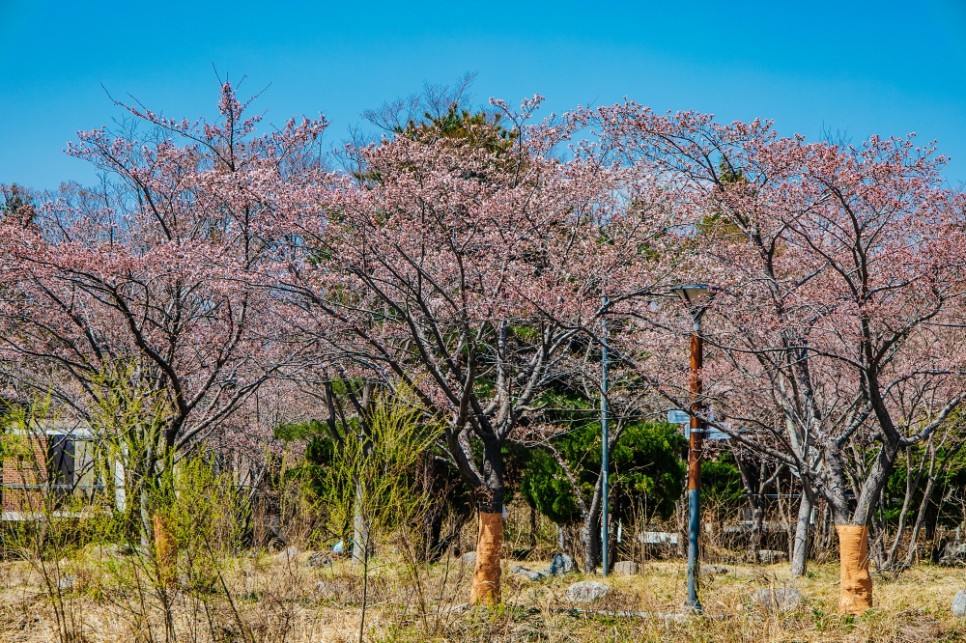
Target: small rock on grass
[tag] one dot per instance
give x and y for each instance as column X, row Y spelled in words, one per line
column 287, row 554
column 561, row 564
column 959, row 603
column 468, row 559
column 626, row 568
column 67, row 582
column 586, row 591
column 526, row 572
column 954, row 553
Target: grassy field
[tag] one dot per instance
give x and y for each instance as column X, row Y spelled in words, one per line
column 101, row 596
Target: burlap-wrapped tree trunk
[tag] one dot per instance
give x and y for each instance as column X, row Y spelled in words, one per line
column 856, row 591
column 166, row 551
column 489, row 544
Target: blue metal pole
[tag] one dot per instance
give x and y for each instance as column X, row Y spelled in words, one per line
column 694, row 521
column 604, row 449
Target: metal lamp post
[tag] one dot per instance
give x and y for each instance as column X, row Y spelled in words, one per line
column 696, row 297
column 605, row 303
column 604, row 447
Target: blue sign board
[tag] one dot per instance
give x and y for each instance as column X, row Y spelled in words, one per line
column 677, row 416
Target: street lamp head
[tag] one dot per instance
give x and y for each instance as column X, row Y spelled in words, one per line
column 694, row 294
column 696, row 297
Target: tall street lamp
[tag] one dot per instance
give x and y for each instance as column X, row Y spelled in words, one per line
column 696, row 297
column 604, row 448
column 605, row 303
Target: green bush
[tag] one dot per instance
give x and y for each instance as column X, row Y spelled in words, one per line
column 646, row 467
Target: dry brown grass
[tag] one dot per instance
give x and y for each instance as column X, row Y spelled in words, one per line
column 276, row 600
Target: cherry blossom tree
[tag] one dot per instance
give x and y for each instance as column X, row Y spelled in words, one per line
column 156, row 285
column 841, row 271
column 463, row 268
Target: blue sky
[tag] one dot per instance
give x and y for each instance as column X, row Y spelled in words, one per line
column 846, row 69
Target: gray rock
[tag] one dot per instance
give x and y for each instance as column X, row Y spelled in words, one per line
column 67, row 582
column 319, row 559
column 527, row 572
column 287, row 554
column 778, row 599
column 959, row 603
column 586, row 591
column 771, row 556
column 954, row 553
column 561, row 564
column 626, row 568
column 468, row 559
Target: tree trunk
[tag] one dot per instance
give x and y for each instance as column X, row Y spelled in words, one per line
column 757, row 529
column 824, row 543
column 856, row 590
column 563, row 540
column 489, row 544
column 360, row 529
column 146, row 525
column 753, row 480
column 440, row 502
column 930, row 537
column 920, row 520
column 533, row 528
column 489, row 541
column 877, row 536
column 432, row 549
column 912, row 484
column 935, row 470
column 802, row 525
column 590, row 541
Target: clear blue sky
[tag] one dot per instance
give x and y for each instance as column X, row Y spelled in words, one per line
column 844, row 68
